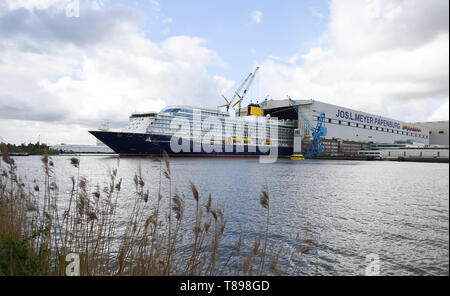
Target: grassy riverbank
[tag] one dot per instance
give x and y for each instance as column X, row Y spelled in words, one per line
column 36, row 236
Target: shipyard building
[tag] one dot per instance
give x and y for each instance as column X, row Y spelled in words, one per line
column 348, row 130
column 438, row 132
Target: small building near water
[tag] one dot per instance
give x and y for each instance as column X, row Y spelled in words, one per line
column 416, row 154
column 63, row 148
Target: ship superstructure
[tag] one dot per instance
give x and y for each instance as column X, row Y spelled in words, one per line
column 201, row 132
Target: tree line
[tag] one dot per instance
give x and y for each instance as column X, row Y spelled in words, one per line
column 30, row 148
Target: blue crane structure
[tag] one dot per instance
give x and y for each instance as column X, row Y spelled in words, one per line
column 316, row 147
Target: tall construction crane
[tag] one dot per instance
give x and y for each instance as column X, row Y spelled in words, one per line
column 316, row 147
column 250, row 79
column 229, row 102
column 249, row 82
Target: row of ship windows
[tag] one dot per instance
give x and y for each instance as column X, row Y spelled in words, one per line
column 280, row 136
column 252, row 141
column 190, row 112
column 287, row 136
column 135, row 123
column 167, row 119
column 379, row 129
column 167, row 125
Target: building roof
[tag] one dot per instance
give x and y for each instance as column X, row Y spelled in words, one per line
column 431, row 122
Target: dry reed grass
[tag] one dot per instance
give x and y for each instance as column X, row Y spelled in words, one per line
column 36, row 236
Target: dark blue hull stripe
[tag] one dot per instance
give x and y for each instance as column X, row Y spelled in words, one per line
column 136, row 144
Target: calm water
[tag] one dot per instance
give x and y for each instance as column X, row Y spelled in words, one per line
column 397, row 210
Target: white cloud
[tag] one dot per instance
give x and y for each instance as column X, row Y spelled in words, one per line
column 36, row 4
column 59, row 88
column 61, row 76
column 441, row 113
column 366, row 26
column 20, row 131
column 293, row 59
column 381, row 60
column 256, row 16
column 167, row 20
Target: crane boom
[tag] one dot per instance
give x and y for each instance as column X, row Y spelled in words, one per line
column 240, row 87
column 229, row 103
column 303, row 116
column 252, row 76
column 316, row 147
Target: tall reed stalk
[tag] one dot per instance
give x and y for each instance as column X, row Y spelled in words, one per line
column 39, row 228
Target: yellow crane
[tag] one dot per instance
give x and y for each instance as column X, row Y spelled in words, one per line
column 238, row 102
column 229, row 102
column 247, row 81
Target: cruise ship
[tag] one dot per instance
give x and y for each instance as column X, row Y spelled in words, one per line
column 201, row 132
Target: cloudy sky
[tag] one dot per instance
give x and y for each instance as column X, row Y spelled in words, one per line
column 63, row 71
